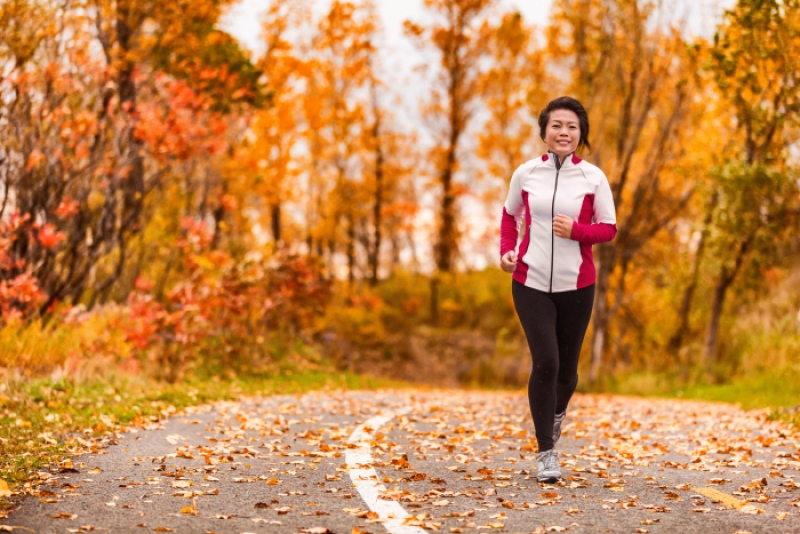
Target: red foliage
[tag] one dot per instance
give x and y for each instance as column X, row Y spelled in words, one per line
column 19, row 290
column 142, row 284
column 180, row 125
column 48, row 236
column 67, row 208
column 220, row 305
column 229, row 202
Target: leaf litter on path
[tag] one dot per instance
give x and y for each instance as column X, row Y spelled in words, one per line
column 458, row 461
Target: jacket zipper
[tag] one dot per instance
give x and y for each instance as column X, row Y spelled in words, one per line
column 552, row 216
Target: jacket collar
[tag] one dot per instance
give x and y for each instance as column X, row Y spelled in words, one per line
column 570, row 160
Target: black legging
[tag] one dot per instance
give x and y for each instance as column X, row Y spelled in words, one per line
column 555, row 324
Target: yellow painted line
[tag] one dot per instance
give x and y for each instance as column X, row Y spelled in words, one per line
column 721, row 496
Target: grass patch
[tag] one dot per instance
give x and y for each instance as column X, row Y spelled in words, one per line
column 779, row 388
column 775, row 389
column 46, row 421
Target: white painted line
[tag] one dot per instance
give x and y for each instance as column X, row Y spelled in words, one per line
column 365, row 478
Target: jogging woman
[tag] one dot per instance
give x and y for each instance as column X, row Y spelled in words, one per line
column 566, row 206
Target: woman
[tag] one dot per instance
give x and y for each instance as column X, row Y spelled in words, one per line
column 567, row 206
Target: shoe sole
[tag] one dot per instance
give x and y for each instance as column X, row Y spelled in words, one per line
column 549, row 479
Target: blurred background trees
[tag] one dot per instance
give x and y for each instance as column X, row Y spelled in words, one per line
column 215, row 211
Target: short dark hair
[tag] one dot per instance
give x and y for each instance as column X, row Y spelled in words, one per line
column 571, row 104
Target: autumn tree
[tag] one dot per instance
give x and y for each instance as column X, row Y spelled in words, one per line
column 455, row 36
column 636, row 79
column 89, row 137
column 266, row 165
column 756, row 65
column 513, row 86
column 389, row 159
column 335, row 104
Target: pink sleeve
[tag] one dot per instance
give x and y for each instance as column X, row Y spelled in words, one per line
column 604, row 215
column 513, row 209
column 508, row 233
column 593, row 233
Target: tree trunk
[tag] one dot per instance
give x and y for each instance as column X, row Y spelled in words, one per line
column 218, row 214
column 720, row 290
column 351, row 249
column 676, row 341
column 275, row 219
column 435, row 299
column 725, row 281
column 394, row 253
column 619, row 299
column 133, row 183
column 378, row 204
column 445, row 248
column 602, row 314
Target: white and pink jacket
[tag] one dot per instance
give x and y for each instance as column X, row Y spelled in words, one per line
column 540, row 190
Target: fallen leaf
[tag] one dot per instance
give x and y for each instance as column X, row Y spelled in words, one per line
column 4, row 491
column 750, row 509
column 64, row 515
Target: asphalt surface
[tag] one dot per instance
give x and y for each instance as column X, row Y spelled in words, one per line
column 455, row 462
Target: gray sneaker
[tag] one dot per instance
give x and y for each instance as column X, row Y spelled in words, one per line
column 547, row 469
column 557, row 426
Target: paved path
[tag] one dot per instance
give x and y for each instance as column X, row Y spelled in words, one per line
column 410, row 462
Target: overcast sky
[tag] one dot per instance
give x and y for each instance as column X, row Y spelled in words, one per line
column 243, row 19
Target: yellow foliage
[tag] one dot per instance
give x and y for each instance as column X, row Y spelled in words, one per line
column 78, row 344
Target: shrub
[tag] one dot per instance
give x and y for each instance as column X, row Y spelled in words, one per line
column 223, row 311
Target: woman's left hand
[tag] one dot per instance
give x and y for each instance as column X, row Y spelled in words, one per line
column 562, row 226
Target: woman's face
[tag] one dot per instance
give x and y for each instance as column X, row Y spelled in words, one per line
column 563, row 132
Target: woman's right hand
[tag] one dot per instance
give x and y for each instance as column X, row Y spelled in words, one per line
column 508, row 262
